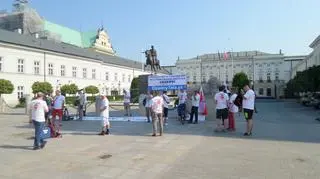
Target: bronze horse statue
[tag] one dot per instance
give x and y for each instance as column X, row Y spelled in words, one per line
column 152, row 61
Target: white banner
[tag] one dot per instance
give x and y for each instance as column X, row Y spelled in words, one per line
column 169, row 82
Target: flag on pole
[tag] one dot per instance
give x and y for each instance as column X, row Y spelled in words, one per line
column 219, row 57
column 202, row 106
column 225, row 56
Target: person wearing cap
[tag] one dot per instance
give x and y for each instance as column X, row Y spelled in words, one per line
column 104, row 114
column 38, row 107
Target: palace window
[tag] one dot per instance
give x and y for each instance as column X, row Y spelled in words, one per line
column 276, row 76
column 0, row 63
column 74, row 72
column 63, row 70
column 20, row 92
column 36, row 67
column 268, row 77
column 115, row 76
column 20, row 65
column 107, row 76
column 50, row 69
column 129, row 78
column 93, row 73
column 261, row 92
column 84, row 73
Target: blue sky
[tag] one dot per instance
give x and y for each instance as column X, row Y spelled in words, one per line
column 188, row 28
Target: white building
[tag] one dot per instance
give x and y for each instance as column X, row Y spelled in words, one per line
column 313, row 59
column 27, row 59
column 267, row 72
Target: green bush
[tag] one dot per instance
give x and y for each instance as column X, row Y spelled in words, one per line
column 240, row 80
column 134, row 90
column 44, row 87
column 22, row 103
column 70, row 100
column 6, row 87
column 91, row 90
column 69, row 89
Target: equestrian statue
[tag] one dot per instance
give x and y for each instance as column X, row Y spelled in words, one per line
column 152, row 60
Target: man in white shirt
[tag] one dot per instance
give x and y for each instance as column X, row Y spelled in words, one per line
column 104, row 114
column 248, row 108
column 38, row 107
column 182, row 96
column 166, row 102
column 232, row 110
column 126, row 102
column 195, row 106
column 148, row 105
column 221, row 99
column 157, row 111
column 58, row 105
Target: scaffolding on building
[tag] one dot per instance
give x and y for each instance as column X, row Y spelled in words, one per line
column 26, row 20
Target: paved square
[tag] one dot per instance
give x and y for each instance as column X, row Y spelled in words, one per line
column 285, row 145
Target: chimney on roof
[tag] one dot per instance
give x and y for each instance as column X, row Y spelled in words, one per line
column 280, row 52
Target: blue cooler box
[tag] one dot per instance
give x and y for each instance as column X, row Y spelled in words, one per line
column 46, row 133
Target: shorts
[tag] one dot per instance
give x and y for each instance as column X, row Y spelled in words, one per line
column 57, row 112
column 222, row 113
column 105, row 122
column 165, row 112
column 248, row 113
column 182, row 109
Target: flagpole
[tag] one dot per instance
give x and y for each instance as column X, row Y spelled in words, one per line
column 232, row 63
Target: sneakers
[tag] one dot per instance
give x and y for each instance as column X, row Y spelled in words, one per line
column 102, row 133
column 43, row 144
column 247, row 134
column 154, row 135
column 166, row 124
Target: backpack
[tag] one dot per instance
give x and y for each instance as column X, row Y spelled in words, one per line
column 144, row 102
column 238, row 101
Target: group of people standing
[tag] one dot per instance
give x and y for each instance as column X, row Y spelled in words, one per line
column 41, row 108
column 228, row 103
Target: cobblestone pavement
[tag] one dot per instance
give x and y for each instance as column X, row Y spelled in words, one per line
column 285, row 144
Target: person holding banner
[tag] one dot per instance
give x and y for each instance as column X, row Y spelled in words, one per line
column 157, row 111
column 182, row 105
column 195, row 106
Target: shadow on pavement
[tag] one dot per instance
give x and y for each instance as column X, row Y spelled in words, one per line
column 16, row 147
column 276, row 121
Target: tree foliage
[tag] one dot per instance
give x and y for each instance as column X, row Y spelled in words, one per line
column 91, row 89
column 134, row 89
column 240, row 80
column 305, row 81
column 44, row 87
column 69, row 89
column 212, row 85
column 6, row 87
